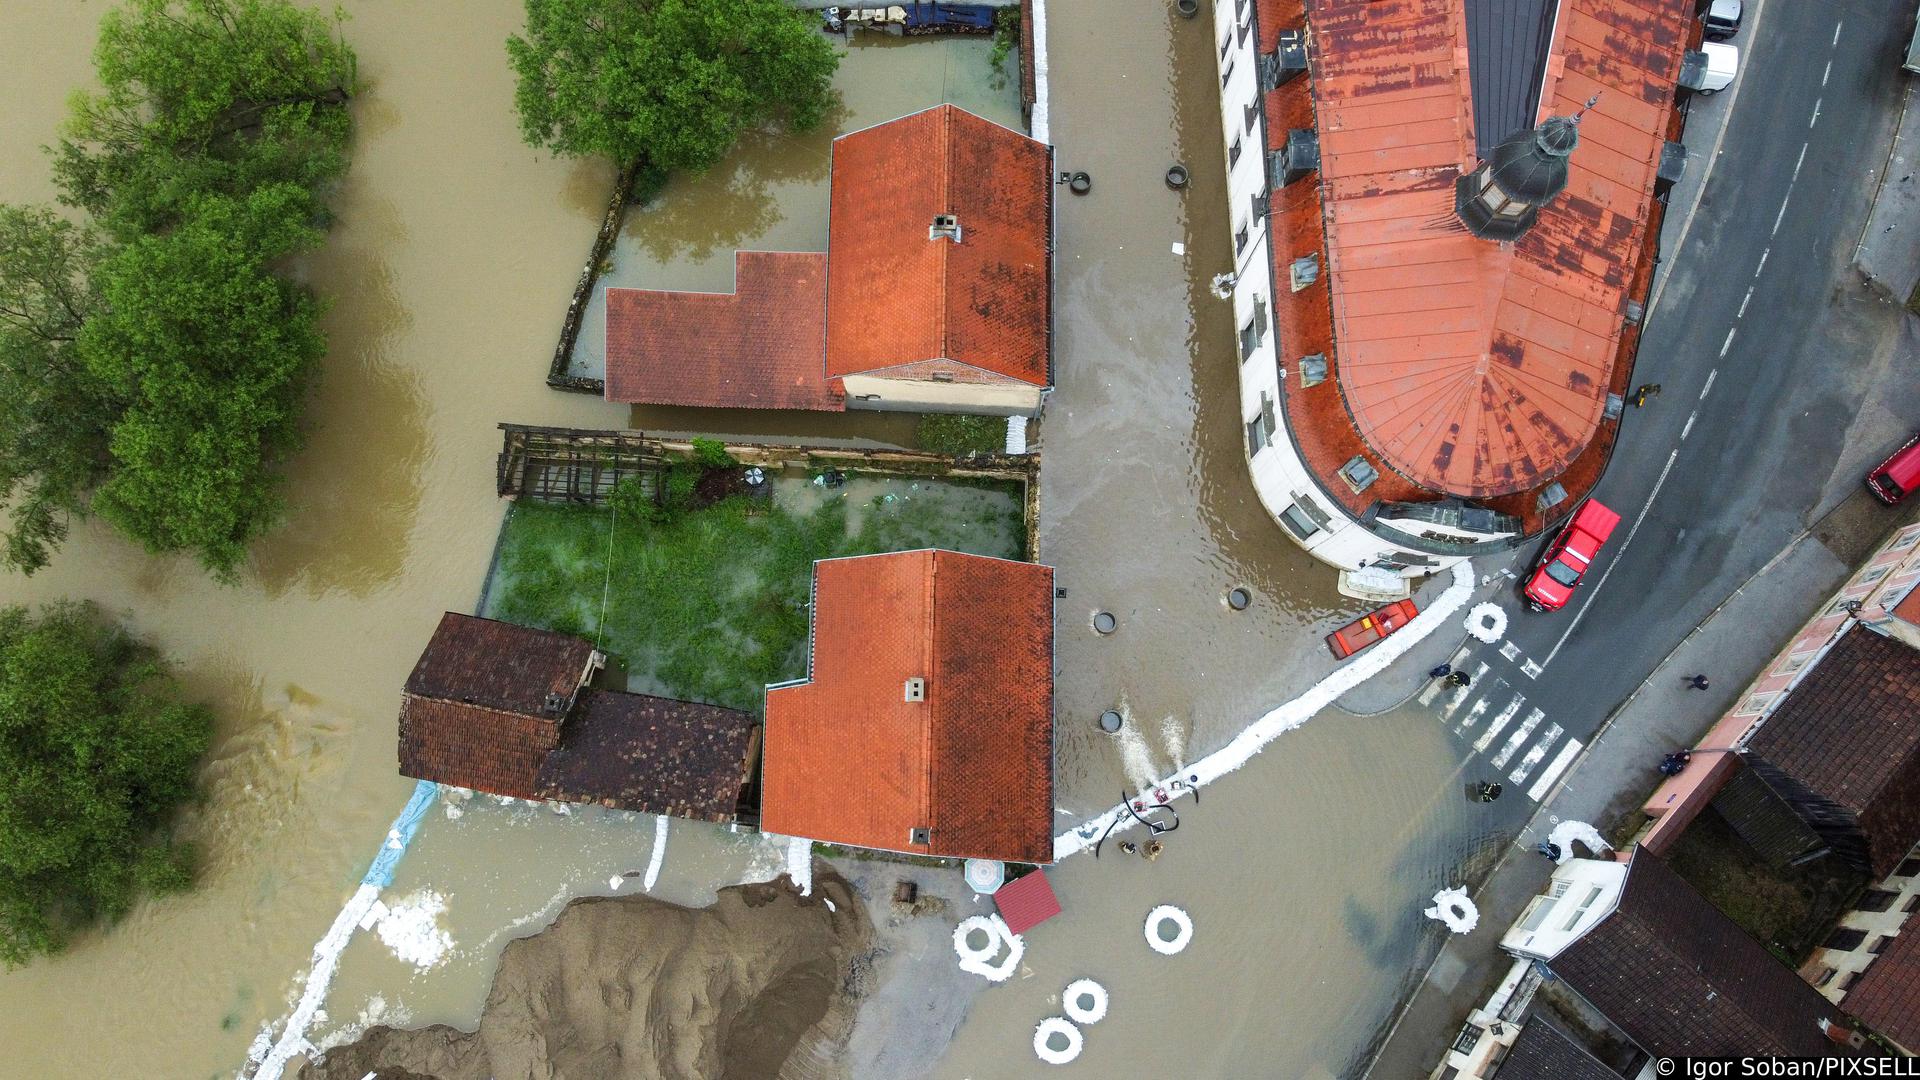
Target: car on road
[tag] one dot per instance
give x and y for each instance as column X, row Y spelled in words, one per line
column 1723, row 19
column 1896, row 477
column 1368, row 629
column 1570, row 556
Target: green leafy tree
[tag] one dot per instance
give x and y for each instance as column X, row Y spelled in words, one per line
column 668, row 84
column 54, row 415
column 211, row 352
column 205, row 96
column 96, row 753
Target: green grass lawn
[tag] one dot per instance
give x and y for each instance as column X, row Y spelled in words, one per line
column 712, row 604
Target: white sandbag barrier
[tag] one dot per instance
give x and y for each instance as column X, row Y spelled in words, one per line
column 1452, row 906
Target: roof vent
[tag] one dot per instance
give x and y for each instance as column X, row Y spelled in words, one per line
column 921, row 837
column 1551, row 496
column 1301, row 157
column 555, row 704
column 1359, row 474
column 1313, row 370
column 945, row 227
column 1286, row 62
column 916, row 690
column 1304, row 271
column 1673, row 165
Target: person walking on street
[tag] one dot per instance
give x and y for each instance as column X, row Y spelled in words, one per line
column 1440, row 672
column 1460, row 679
column 1697, row 682
column 1645, row 391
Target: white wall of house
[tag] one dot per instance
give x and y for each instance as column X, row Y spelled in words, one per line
column 1280, row 477
column 920, row 395
column 1580, row 894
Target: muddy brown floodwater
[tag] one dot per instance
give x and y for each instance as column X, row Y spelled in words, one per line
column 452, row 259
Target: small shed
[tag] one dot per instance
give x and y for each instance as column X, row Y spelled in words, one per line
column 1026, row 902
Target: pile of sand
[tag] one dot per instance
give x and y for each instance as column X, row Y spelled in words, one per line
column 629, row 987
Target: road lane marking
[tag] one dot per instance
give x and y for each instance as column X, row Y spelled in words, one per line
column 1743, row 303
column 1510, row 651
column 1499, row 723
column 1624, row 544
column 1827, row 73
column 1710, row 377
column 1690, row 418
column 1778, row 218
column 1727, row 344
column 1473, row 716
column 1836, row 32
column 1815, row 118
column 1796, row 166
column 1517, row 739
column 1520, row 771
column 1531, row 670
column 1560, row 762
column 1763, row 262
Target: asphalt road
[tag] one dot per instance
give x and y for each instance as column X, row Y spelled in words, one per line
column 1783, row 379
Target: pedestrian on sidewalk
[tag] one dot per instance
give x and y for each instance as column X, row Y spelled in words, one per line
column 1698, row 682
column 1645, row 391
column 1550, row 850
column 1440, row 672
column 1489, row 792
column 1460, row 679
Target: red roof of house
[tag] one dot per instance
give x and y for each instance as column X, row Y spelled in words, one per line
column 849, row 760
column 760, row 346
column 1887, row 996
column 1473, row 367
column 898, row 298
column 1026, row 902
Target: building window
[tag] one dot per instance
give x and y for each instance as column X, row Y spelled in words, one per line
column 1880, row 944
column 1241, row 9
column 1253, row 113
column 1913, row 904
column 1537, row 913
column 1826, row 976
column 1245, row 29
column 1844, row 939
column 1906, row 540
column 1581, row 911
column 1226, row 43
column 1226, row 73
column 1233, row 153
column 1239, row 239
column 1876, row 900
column 1847, row 983
column 1908, row 868
column 1297, row 521
column 1255, row 331
column 1468, row 1039
column 1760, row 702
column 1259, row 206
column 1256, row 436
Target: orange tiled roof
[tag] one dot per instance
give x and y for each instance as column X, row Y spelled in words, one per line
column 1470, row 367
column 850, row 761
column 899, row 299
column 760, row 346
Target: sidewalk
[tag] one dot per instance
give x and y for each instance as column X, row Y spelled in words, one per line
column 1889, row 249
column 1612, row 777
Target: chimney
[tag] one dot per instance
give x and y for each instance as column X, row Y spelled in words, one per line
column 944, row 227
column 1844, row 1036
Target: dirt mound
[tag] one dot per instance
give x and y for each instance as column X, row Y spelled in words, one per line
column 633, row 988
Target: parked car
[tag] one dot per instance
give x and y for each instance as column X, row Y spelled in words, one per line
column 1897, row 476
column 1368, row 629
column 1723, row 19
column 1710, row 70
column 1570, row 556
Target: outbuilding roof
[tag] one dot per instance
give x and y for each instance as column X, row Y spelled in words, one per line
column 761, row 346
column 1681, row 979
column 1544, row 1051
column 901, row 297
column 500, row 666
column 651, row 755
column 1887, row 996
column 858, row 755
column 1472, row 367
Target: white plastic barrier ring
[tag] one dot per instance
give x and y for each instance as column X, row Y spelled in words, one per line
column 1183, row 929
column 963, row 939
column 1487, row 622
column 1085, row 1001
column 1043, row 1037
column 1451, row 906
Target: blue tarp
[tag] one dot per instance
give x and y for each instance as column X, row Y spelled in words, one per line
column 401, row 834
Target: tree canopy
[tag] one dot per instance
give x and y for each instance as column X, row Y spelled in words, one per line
column 152, row 361
column 96, row 753
column 669, row 84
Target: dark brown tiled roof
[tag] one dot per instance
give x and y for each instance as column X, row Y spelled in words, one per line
column 897, row 297
column 849, row 760
column 472, row 747
column 1887, row 997
column 761, row 346
column 650, row 754
column 1679, row 978
column 1850, row 733
column 496, row 665
column 1546, row 1052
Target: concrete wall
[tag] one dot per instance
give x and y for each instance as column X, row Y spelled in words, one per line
column 912, row 395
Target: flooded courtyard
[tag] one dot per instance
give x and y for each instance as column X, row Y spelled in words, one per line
column 450, row 265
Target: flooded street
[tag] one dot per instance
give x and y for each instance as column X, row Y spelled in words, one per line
column 448, row 271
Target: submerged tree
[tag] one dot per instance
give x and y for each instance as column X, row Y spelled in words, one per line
column 151, row 365
column 96, row 754
column 668, row 84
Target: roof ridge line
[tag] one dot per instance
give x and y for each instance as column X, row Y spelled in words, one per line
column 929, row 644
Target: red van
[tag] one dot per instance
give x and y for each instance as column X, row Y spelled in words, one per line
column 1897, row 475
column 1572, row 553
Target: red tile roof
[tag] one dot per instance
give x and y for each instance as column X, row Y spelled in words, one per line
column 895, row 296
column 1026, row 902
column 760, row 346
column 1887, row 997
column 1470, row 367
column 850, row 761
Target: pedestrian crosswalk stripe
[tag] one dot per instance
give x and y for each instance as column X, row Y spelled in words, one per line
column 1534, row 755
column 1531, row 670
column 1473, row 716
column 1511, row 651
column 1460, row 695
column 1559, row 765
column 1434, row 686
column 1518, row 739
column 1500, row 722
